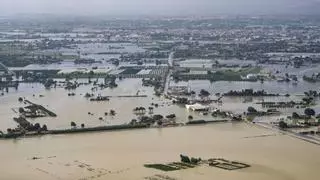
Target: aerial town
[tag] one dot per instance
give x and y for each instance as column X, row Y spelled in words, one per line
column 75, row 76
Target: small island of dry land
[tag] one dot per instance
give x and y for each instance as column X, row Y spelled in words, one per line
column 186, row 163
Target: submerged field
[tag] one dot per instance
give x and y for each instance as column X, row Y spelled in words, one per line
column 121, row 155
column 76, row 108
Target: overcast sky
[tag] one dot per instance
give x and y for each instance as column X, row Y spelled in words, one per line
column 157, row 7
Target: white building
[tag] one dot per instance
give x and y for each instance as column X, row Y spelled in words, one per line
column 197, row 107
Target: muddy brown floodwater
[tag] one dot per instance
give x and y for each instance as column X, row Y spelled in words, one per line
column 121, row 154
column 76, row 108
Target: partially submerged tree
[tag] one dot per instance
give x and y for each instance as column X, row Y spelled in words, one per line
column 171, row 116
column 185, row 159
column 195, row 160
column 157, row 117
column 204, row 93
column 49, row 83
column 9, row 130
column 112, row 112
column 20, row 99
column 21, row 110
column 307, row 100
column 145, row 119
column 73, row 124
column 295, row 115
column 283, row 125
column 252, row 109
column 37, row 127
column 44, row 128
column 309, row 112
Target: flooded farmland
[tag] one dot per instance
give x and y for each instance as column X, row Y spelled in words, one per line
column 76, row 108
column 106, row 156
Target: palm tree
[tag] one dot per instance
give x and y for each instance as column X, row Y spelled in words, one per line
column 142, row 109
column 150, row 110
column 133, row 122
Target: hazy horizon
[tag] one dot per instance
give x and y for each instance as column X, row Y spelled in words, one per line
column 163, row 7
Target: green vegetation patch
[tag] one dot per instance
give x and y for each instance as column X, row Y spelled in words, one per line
column 130, row 71
column 251, row 70
column 181, row 164
column 231, row 75
column 162, row 167
column 228, row 75
column 67, row 57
